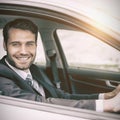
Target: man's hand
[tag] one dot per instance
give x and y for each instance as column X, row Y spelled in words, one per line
column 113, row 104
column 112, row 94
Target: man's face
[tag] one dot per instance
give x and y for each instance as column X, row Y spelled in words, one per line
column 21, row 48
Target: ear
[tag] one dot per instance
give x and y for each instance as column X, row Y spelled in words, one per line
column 4, row 46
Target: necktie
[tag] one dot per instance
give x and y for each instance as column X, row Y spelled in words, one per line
column 35, row 85
column 29, row 80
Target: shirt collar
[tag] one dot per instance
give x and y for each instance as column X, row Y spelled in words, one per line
column 21, row 73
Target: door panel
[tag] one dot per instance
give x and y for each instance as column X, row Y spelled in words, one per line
column 86, row 81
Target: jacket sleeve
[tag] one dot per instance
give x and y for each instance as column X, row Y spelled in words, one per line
column 63, row 94
column 83, row 104
column 66, row 95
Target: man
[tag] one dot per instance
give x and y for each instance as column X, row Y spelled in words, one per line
column 20, row 78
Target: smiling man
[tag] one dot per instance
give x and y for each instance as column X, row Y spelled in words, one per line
column 21, row 48
column 16, row 68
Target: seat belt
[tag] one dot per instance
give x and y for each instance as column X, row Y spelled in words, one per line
column 52, row 56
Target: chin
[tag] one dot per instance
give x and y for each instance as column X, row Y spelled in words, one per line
column 23, row 67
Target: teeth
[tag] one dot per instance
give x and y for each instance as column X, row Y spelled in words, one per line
column 22, row 58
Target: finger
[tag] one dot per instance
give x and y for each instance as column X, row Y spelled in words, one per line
column 116, row 109
column 117, row 90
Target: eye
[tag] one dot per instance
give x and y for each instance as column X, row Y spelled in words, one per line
column 15, row 44
column 31, row 44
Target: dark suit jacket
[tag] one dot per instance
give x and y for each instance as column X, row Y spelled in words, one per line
column 11, row 84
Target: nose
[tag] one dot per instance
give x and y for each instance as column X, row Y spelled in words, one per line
column 23, row 49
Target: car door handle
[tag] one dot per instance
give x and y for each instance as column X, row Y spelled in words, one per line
column 109, row 84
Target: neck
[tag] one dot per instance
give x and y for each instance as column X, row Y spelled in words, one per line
column 11, row 66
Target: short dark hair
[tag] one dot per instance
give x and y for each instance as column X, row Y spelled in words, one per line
column 19, row 23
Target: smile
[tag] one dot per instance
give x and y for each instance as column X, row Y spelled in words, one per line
column 23, row 59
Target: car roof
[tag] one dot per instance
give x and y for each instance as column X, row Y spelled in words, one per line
column 102, row 14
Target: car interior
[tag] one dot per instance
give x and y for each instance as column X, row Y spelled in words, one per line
column 71, row 79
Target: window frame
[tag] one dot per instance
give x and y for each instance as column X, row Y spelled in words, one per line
column 89, row 38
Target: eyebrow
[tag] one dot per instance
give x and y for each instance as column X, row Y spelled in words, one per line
column 14, row 42
column 31, row 42
column 20, row 42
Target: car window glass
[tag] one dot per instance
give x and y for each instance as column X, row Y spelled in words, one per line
column 2, row 51
column 40, row 56
column 84, row 50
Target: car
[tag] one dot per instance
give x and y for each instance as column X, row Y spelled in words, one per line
column 79, row 41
